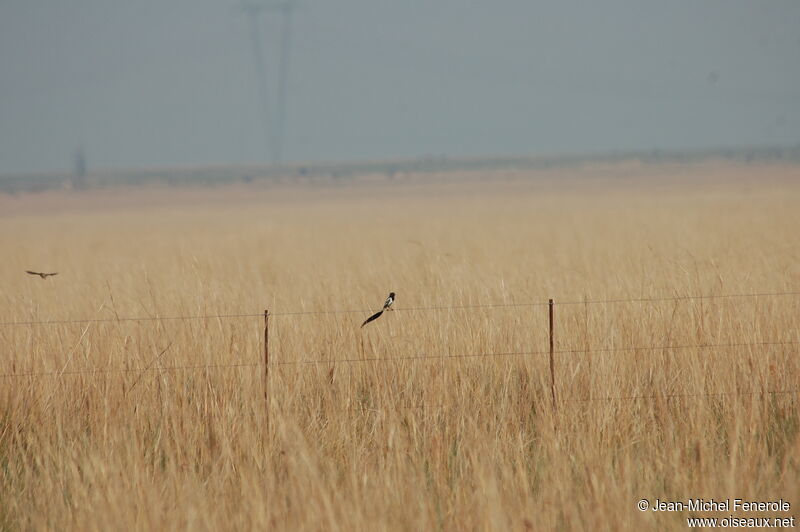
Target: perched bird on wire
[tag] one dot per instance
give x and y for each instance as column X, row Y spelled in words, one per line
column 387, row 305
column 389, row 301
column 42, row 275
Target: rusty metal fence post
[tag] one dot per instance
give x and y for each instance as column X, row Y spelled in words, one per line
column 266, row 366
column 552, row 361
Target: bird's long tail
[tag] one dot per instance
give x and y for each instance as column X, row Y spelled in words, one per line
column 373, row 317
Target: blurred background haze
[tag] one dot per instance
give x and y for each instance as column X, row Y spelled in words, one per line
column 176, row 83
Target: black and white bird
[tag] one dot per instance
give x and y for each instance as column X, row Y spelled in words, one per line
column 386, row 306
column 389, row 301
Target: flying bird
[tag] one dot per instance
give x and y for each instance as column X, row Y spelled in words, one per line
column 42, row 275
column 386, row 306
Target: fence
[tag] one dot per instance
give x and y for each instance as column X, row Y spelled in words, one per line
column 551, row 352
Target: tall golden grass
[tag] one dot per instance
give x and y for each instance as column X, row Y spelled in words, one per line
column 441, row 443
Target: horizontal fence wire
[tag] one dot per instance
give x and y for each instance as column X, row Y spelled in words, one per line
column 411, row 358
column 133, row 319
column 399, row 309
column 424, row 356
column 745, row 393
column 675, row 298
column 791, row 391
column 151, row 369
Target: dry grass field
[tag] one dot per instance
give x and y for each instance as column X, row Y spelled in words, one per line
column 161, row 424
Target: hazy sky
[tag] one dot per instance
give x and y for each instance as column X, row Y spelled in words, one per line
column 172, row 82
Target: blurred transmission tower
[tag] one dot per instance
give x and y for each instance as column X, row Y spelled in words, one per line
column 283, row 75
column 274, row 129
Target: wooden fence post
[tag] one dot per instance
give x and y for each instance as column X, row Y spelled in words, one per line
column 552, row 361
column 266, row 366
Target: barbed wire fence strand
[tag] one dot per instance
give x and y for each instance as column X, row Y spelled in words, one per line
column 399, row 309
column 424, row 356
column 395, row 360
column 665, row 396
